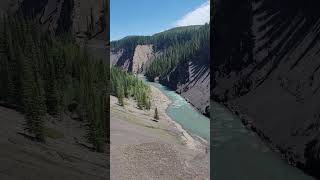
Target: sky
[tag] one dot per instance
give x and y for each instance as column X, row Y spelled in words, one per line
column 147, row 17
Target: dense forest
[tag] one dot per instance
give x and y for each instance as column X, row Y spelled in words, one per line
column 160, row 40
column 177, row 45
column 43, row 75
column 126, row 85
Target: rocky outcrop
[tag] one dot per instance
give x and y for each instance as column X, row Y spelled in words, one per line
column 143, row 56
column 135, row 59
column 266, row 67
column 82, row 18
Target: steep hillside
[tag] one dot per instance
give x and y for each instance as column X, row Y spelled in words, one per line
column 191, row 79
column 51, row 88
column 83, row 18
column 148, row 47
column 178, row 58
column 266, row 70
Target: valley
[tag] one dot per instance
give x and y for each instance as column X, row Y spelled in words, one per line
column 177, row 58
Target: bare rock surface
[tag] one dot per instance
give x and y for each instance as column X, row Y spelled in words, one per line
column 143, row 56
column 135, row 59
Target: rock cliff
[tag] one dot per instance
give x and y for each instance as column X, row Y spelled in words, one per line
column 192, row 80
column 81, row 18
column 134, row 60
column 266, row 68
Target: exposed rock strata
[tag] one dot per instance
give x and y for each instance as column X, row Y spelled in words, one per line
column 81, row 18
column 266, row 64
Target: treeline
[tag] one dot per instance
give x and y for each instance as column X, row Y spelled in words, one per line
column 126, row 85
column 179, row 52
column 41, row 74
column 160, row 40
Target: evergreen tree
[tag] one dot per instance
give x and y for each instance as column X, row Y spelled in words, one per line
column 52, row 95
column 156, row 115
column 120, row 95
column 148, row 105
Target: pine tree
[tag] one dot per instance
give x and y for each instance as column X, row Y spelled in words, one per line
column 52, row 95
column 156, row 115
column 120, row 94
column 39, row 110
column 148, row 105
column 33, row 93
column 139, row 101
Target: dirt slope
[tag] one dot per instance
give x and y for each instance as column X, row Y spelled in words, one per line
column 61, row 157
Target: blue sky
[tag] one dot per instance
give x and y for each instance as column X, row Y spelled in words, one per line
column 146, row 17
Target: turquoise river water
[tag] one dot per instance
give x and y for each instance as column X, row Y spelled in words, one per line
column 238, row 154
column 182, row 112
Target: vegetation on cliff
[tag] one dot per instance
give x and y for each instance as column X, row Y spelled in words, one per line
column 176, row 45
column 179, row 52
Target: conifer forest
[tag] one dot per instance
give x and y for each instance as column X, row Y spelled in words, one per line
column 42, row 75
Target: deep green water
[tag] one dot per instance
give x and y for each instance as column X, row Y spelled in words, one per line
column 183, row 113
column 239, row 154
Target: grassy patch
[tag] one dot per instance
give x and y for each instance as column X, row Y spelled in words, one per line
column 53, row 133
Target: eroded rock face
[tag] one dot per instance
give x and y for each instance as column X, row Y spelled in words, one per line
column 271, row 72
column 83, row 18
column 143, row 56
column 134, row 60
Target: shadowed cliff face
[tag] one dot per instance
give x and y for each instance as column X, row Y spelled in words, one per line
column 192, row 80
column 266, row 66
column 85, row 20
column 82, row 18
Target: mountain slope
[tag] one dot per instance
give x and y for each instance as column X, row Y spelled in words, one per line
column 47, row 133
column 82, row 18
column 178, row 58
column 266, row 68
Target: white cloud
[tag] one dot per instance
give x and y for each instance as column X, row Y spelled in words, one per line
column 200, row 15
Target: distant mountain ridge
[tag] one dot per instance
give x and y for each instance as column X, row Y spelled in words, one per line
column 178, row 58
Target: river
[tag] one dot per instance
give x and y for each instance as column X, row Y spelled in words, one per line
column 238, row 154
column 184, row 113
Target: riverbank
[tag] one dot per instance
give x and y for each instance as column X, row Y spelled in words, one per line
column 186, row 96
column 163, row 102
column 142, row 148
